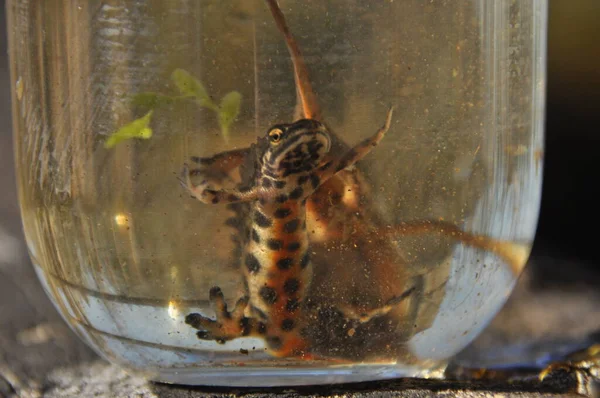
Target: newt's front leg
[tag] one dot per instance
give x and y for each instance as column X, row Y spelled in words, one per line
column 355, row 154
column 206, row 192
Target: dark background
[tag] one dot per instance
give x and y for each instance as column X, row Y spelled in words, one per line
column 566, row 253
column 569, row 220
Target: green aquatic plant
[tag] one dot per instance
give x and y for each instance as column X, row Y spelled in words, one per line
column 190, row 89
column 139, row 128
column 229, row 109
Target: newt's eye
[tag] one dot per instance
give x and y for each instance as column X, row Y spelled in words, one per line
column 275, row 136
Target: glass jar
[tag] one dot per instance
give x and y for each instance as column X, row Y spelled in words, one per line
column 385, row 268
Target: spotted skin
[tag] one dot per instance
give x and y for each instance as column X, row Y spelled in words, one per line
column 277, row 266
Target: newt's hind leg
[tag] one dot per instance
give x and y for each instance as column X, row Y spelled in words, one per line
column 228, row 324
column 363, row 316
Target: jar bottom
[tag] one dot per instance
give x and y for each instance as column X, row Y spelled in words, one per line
column 285, row 376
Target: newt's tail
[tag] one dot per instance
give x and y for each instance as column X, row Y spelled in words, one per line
column 307, row 106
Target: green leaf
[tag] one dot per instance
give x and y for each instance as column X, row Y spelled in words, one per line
column 151, row 100
column 190, row 86
column 139, row 128
column 229, row 109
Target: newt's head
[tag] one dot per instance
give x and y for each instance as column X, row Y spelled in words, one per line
column 295, row 148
